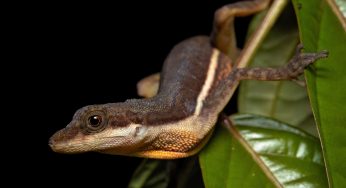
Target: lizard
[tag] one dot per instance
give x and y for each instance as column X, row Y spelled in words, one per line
column 196, row 82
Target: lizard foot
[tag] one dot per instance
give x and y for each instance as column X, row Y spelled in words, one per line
column 305, row 59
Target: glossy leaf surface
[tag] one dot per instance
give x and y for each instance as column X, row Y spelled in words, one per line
column 290, row 156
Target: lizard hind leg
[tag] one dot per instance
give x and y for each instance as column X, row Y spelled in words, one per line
column 223, row 35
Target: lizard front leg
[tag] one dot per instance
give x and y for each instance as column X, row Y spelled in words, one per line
column 148, row 86
column 290, row 71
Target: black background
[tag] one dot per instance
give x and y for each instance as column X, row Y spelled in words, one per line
column 95, row 53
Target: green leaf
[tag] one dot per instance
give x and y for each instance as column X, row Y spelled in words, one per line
column 283, row 100
column 180, row 173
column 287, row 155
column 150, row 173
column 321, row 29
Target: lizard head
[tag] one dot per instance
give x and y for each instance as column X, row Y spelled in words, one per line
column 109, row 128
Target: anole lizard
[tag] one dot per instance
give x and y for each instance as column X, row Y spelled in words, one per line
column 196, row 83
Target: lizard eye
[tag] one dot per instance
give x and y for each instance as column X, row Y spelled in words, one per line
column 95, row 122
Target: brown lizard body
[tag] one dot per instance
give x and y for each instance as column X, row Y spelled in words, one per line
column 196, row 83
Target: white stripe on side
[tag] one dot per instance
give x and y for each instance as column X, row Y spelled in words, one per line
column 208, row 82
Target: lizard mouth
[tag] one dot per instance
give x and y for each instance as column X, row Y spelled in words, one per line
column 67, row 146
column 81, row 145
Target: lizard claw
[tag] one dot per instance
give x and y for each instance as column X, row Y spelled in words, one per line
column 318, row 55
column 299, row 82
column 308, row 58
column 299, row 48
column 301, row 60
column 322, row 54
